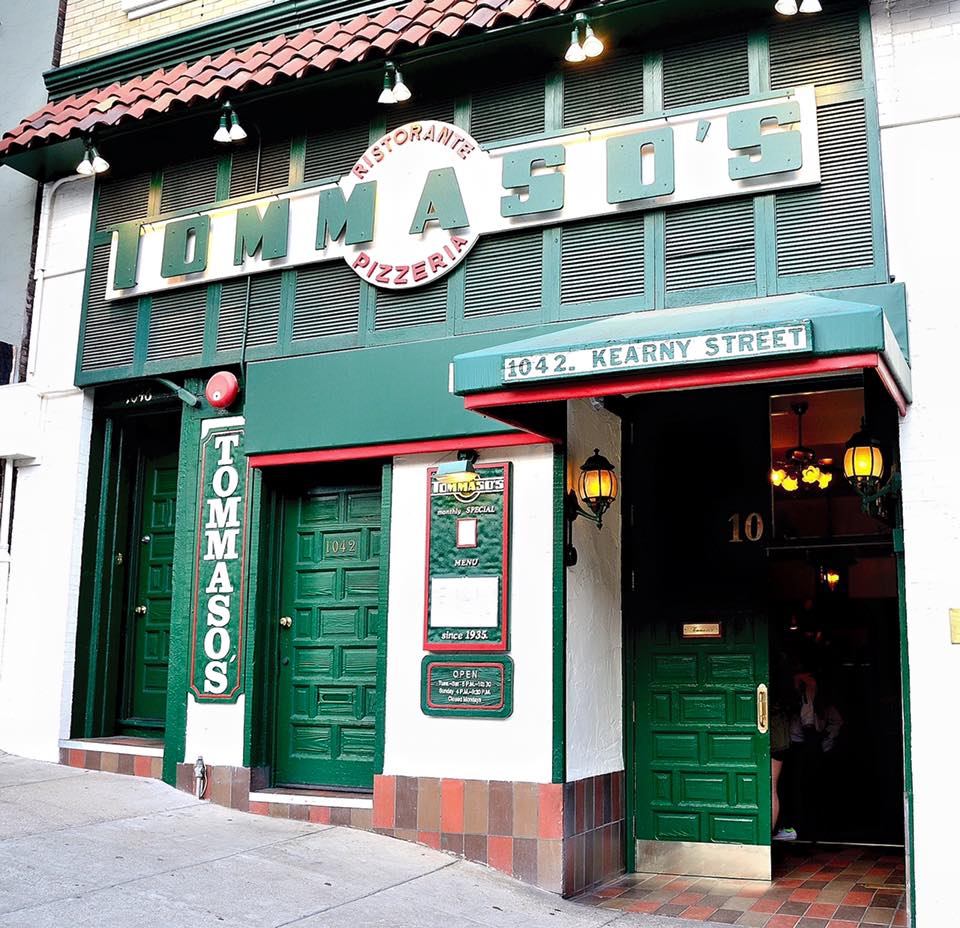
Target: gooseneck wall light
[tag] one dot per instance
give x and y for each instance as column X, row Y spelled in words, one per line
column 597, row 488
column 395, row 89
column 93, row 163
column 230, row 129
column 791, row 8
column 460, row 474
column 589, row 47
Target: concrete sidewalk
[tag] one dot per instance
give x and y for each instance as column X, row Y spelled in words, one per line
column 80, row 848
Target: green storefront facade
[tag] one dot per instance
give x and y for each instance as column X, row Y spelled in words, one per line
column 257, row 589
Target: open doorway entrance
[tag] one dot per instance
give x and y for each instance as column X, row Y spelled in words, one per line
column 745, row 599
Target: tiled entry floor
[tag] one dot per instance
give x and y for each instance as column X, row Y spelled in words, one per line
column 824, row 887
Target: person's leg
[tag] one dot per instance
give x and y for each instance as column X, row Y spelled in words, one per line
column 775, row 767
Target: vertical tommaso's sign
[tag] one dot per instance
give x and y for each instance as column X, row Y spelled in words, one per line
column 468, row 557
column 217, row 640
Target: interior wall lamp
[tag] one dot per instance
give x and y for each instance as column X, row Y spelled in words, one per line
column 394, row 88
column 590, row 47
column 597, row 488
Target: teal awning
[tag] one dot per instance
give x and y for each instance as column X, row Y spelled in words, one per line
column 797, row 327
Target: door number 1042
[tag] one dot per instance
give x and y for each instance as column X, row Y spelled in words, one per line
column 749, row 527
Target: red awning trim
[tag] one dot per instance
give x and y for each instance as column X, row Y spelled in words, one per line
column 362, row 452
column 687, row 380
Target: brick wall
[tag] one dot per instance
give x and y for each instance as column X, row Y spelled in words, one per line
column 95, row 27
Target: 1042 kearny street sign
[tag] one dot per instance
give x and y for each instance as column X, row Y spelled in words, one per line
column 418, row 199
column 618, row 357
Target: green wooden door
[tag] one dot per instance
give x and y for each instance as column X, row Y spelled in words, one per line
column 151, row 574
column 703, row 766
column 696, row 469
column 329, row 583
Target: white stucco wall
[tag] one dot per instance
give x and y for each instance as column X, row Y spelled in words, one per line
column 38, row 619
column 917, row 46
column 594, row 685
column 518, row 748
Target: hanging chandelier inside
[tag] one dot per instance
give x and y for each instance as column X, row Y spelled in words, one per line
column 800, row 467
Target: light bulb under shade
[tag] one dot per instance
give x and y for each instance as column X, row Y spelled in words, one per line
column 387, row 96
column 85, row 167
column 810, row 6
column 222, row 135
column 575, row 53
column 786, row 7
column 237, row 133
column 100, row 165
column 592, row 46
column 790, row 483
column 401, row 92
column 778, row 476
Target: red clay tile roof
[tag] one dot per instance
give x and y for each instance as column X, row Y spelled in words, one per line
column 392, row 30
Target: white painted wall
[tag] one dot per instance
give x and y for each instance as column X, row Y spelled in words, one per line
column 594, row 652
column 518, row 748
column 917, row 46
column 38, row 618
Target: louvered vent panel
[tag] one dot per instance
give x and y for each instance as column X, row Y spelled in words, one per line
column 193, row 183
column 604, row 88
column 274, row 168
column 417, row 110
column 233, row 299
column 331, row 152
column 111, row 328
column 327, row 302
column 602, row 260
column 404, row 308
column 504, row 275
column 829, row 227
column 506, row 110
column 822, row 49
column 712, row 70
column 176, row 323
column 263, row 320
column 123, row 199
column 710, row 245
column 243, row 171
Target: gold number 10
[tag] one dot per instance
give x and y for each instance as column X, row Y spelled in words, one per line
column 752, row 527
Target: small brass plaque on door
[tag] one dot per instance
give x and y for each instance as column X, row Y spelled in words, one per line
column 701, row 630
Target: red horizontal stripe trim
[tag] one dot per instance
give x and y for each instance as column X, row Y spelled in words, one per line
column 653, row 383
column 385, row 451
column 893, row 388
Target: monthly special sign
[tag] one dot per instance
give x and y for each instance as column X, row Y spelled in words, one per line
column 217, row 653
column 619, row 357
column 467, row 685
column 417, row 200
column 468, row 542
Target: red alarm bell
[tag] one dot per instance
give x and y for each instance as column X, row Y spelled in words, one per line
column 222, row 389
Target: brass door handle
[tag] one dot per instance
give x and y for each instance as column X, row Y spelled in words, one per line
column 140, row 610
column 286, row 622
column 763, row 709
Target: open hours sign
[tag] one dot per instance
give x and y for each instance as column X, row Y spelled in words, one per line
column 468, row 539
column 467, row 685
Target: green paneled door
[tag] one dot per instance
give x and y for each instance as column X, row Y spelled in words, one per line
column 147, row 639
column 696, row 477
column 703, row 767
column 326, row 702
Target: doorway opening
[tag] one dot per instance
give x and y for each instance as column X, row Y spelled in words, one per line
column 123, row 638
column 750, row 606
